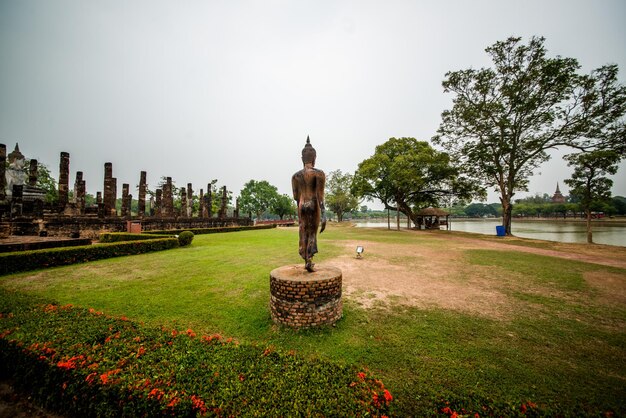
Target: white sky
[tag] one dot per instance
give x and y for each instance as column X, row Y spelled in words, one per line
column 198, row 90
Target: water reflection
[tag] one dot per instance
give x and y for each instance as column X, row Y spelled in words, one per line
column 560, row 231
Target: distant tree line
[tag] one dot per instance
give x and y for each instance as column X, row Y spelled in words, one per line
column 541, row 206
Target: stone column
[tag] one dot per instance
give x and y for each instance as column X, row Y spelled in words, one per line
column 141, row 207
column 129, row 203
column 223, row 209
column 113, row 197
column 236, row 214
column 189, row 201
column 79, row 193
column 209, row 201
column 125, row 207
column 64, row 180
column 158, row 204
column 183, row 202
column 3, row 179
column 108, row 188
column 17, row 199
column 100, row 204
column 168, row 199
column 202, row 212
column 151, row 208
column 32, row 173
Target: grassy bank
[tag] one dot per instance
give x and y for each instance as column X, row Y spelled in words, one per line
column 560, row 341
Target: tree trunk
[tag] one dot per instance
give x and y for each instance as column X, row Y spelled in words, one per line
column 397, row 219
column 589, row 233
column 388, row 220
column 507, row 210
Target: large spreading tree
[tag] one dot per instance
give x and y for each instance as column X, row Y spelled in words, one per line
column 407, row 175
column 338, row 197
column 257, row 197
column 283, row 206
column 505, row 119
column 589, row 184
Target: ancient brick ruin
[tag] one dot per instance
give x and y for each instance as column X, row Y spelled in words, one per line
column 303, row 300
column 24, row 210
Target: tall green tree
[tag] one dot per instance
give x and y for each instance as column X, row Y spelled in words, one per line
column 283, row 206
column 589, row 182
column 339, row 197
column 257, row 197
column 506, row 118
column 407, row 175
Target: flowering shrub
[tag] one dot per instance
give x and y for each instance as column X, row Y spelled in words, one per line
column 185, row 238
column 36, row 259
column 86, row 363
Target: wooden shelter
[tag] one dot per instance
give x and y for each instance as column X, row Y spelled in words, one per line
column 432, row 218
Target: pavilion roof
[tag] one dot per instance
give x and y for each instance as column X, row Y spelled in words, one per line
column 432, row 212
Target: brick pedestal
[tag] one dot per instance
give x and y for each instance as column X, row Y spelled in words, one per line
column 300, row 299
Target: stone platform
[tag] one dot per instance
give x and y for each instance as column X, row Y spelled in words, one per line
column 300, row 299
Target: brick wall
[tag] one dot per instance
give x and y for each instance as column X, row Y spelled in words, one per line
column 307, row 301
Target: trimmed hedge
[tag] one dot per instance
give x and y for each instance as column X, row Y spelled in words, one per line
column 39, row 245
column 216, row 230
column 185, row 238
column 107, row 237
column 85, row 363
column 36, row 259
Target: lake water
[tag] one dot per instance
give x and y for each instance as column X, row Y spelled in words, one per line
column 557, row 230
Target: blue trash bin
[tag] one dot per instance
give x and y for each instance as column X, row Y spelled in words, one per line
column 500, row 231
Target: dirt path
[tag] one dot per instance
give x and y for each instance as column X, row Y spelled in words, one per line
column 596, row 254
column 438, row 274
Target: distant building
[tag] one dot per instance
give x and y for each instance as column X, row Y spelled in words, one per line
column 558, row 197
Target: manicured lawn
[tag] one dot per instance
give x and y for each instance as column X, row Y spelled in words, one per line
column 561, row 346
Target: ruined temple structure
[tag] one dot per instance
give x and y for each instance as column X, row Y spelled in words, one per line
column 19, row 196
column 558, row 196
column 24, row 211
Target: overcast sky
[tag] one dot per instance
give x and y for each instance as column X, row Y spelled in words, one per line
column 198, row 90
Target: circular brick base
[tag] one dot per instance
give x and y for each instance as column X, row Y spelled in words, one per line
column 300, row 299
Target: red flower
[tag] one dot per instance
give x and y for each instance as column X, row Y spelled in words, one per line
column 174, row 333
column 388, row 396
column 198, row 404
column 375, row 400
column 141, row 351
column 361, row 375
column 156, row 393
column 173, row 402
column 190, row 333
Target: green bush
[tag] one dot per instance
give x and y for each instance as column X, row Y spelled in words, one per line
column 185, row 238
column 216, row 230
column 85, row 363
column 107, row 237
column 31, row 260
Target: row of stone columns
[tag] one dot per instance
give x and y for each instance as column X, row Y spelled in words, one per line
column 163, row 204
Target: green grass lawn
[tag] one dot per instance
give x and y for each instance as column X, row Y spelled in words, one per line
column 564, row 347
